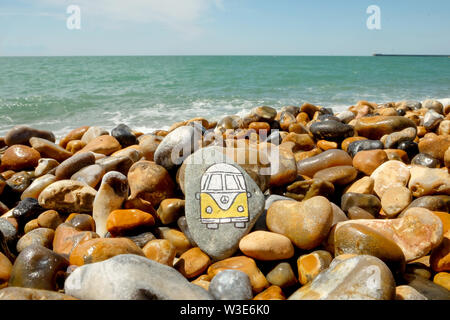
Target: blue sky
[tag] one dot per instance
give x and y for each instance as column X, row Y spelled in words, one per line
column 223, row 27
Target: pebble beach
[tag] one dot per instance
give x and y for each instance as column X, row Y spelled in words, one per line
column 290, row 203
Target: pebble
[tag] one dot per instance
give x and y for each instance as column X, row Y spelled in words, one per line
column 39, row 268
column 45, row 165
column 390, row 174
column 100, row 249
column 49, row 219
column 39, row 236
column 22, row 135
column 286, row 119
column 19, row 157
column 306, row 189
column 176, row 237
column 170, row 210
column 405, row 292
column 131, row 277
column 122, row 220
column 260, row 127
column 231, row 285
column 219, row 236
column 440, row 256
column 17, row 293
column 81, row 221
column 367, row 202
column 244, row 264
column 444, row 128
column 202, row 281
column 346, row 142
column 355, row 213
column 311, row 264
column 345, row 116
column 27, row 209
column 326, row 145
column 150, row 181
column 271, row 293
column 433, row 203
column 73, row 164
column 124, row 135
column 326, row 159
column 36, row 187
column 75, row 134
column 410, row 147
column 417, row 232
column 338, row 214
column 67, row 237
column 429, row 181
column 182, row 224
column 432, row 119
column 377, row 126
column 434, row 145
column 287, row 168
column 423, row 159
column 176, row 146
column 131, row 152
column 395, row 200
column 75, row 145
column 68, row 196
column 48, row 149
column 31, row 225
column 9, row 232
column 338, row 175
column 142, row 239
column 160, row 250
column 363, row 185
column 301, row 142
column 282, row 276
column 104, row 144
column 92, row 133
column 110, row 196
column 148, row 145
column 90, row 175
column 434, row 105
column 353, row 238
column 442, row 279
column 368, row 161
column 305, row 223
column 362, row 277
column 363, row 145
column 429, row 289
column 5, row 271
column 331, row 130
column 264, row 245
column 264, row 113
column 193, row 263
column 393, row 139
column 19, row 182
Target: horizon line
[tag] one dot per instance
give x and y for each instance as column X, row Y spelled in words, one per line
column 223, row 55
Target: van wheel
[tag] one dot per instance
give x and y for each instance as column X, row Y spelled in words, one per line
column 212, row 226
column 239, row 224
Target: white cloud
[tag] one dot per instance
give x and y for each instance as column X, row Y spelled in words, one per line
column 182, row 15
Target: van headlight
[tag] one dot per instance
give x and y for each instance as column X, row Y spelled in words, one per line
column 240, row 208
column 209, row 209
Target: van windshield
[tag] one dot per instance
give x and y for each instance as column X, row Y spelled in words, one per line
column 215, row 183
column 231, row 183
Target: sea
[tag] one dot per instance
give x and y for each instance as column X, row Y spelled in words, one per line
column 152, row 92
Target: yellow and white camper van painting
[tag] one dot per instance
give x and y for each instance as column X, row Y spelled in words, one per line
column 223, row 197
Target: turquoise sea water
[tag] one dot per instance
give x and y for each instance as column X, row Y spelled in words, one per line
column 62, row 93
